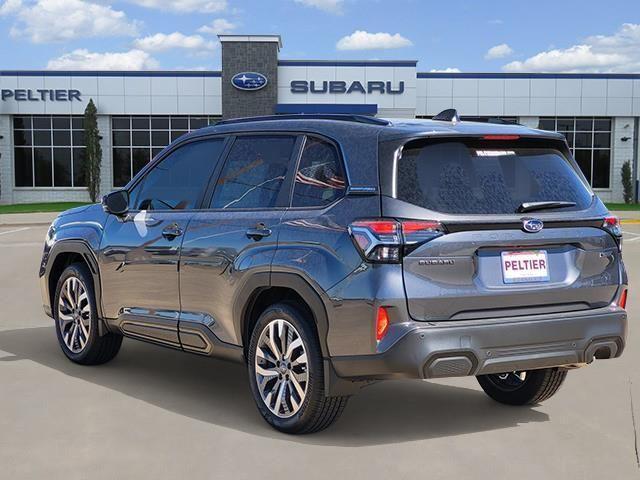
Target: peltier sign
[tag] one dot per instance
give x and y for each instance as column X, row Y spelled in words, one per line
column 40, row 95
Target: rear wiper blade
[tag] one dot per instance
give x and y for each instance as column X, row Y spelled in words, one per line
column 533, row 206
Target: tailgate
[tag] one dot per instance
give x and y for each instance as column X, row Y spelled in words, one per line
column 461, row 275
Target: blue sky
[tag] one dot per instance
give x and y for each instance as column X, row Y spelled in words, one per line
column 469, row 36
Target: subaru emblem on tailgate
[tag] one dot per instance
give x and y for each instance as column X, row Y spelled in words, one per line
column 532, row 225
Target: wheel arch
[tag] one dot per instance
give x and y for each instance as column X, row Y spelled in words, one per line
column 281, row 287
column 65, row 253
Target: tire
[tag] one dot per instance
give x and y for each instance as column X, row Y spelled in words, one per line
column 511, row 389
column 296, row 413
column 76, row 319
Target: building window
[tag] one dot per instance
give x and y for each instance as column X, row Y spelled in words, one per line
column 590, row 142
column 48, row 151
column 138, row 139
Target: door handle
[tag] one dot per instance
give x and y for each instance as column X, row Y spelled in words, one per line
column 261, row 231
column 172, row 231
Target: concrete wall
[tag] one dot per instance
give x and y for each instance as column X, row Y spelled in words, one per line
column 124, row 93
column 528, row 95
column 6, row 159
column 249, row 56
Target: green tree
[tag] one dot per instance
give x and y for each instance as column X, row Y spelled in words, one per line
column 627, row 182
column 93, row 151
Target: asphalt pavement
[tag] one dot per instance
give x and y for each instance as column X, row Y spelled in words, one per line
column 156, row 413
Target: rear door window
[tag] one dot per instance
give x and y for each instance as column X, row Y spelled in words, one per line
column 473, row 177
column 320, row 177
column 254, row 172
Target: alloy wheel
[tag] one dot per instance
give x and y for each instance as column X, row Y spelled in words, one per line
column 74, row 314
column 281, row 368
column 508, row 381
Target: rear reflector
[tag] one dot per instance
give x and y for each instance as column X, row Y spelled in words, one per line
column 622, row 303
column 382, row 323
column 501, row 137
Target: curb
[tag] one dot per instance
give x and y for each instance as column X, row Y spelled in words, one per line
column 35, row 224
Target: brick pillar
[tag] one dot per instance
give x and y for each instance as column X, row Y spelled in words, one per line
column 249, row 53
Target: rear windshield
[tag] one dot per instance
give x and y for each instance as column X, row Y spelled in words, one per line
column 485, row 177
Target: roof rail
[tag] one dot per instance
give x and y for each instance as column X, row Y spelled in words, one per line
column 448, row 115
column 309, row 116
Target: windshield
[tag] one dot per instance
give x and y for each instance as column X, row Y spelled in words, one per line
column 472, row 177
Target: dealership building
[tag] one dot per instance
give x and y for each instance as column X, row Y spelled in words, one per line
column 139, row 113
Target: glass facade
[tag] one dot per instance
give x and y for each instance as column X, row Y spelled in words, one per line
column 137, row 139
column 590, row 142
column 48, row 151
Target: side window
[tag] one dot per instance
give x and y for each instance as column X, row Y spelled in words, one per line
column 177, row 182
column 320, row 178
column 254, row 172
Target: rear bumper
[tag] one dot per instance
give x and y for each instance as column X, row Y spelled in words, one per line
column 451, row 349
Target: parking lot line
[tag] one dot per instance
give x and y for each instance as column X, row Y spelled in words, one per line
column 14, row 231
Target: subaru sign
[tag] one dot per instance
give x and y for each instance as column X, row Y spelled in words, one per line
column 249, row 81
column 339, row 86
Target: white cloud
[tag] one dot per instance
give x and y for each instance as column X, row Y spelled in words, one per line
column 499, row 51
column 219, row 26
column 495, row 21
column 10, row 6
column 82, row 59
column 161, row 42
column 445, row 70
column 185, row 6
column 619, row 52
column 361, row 40
column 62, row 20
column 331, row 6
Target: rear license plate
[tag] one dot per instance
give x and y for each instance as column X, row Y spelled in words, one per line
column 525, row 266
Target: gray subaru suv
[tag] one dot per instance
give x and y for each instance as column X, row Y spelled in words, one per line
column 330, row 252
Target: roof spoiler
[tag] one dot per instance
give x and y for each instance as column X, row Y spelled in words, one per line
column 448, row 115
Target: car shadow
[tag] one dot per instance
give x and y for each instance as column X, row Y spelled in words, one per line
column 217, row 392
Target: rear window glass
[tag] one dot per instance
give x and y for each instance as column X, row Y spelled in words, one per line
column 480, row 178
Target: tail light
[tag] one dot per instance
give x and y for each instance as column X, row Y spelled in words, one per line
column 385, row 240
column 612, row 225
column 382, row 323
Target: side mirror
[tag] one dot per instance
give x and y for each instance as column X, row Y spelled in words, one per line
column 116, row 203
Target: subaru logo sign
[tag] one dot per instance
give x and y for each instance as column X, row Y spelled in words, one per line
column 532, row 225
column 249, row 81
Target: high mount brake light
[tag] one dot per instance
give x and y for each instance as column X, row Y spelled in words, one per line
column 501, row 137
column 383, row 240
